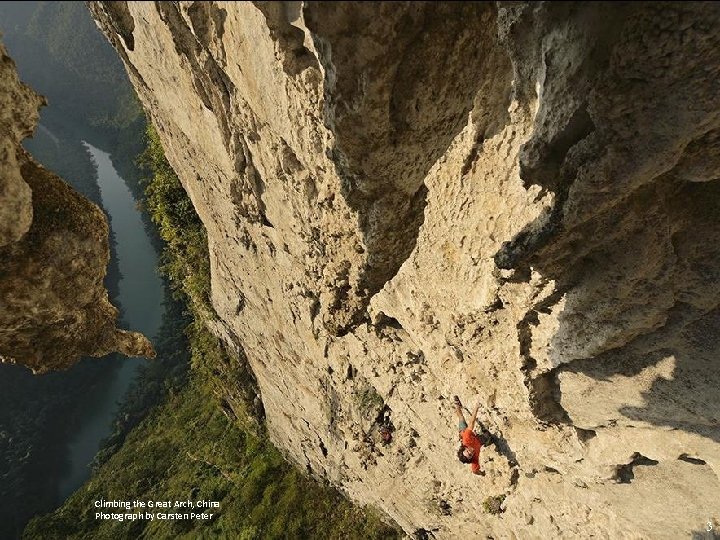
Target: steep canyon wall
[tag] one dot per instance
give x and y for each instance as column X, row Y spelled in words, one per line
column 517, row 203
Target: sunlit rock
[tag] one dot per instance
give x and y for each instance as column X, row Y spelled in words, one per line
column 514, row 202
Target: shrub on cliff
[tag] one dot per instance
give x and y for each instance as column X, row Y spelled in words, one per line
column 186, row 261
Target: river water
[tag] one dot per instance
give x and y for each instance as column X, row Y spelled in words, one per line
column 141, row 300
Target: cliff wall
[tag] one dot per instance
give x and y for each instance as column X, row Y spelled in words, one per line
column 516, row 203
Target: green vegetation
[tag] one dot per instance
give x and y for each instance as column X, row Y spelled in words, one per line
column 192, row 446
column 166, row 375
column 34, row 413
column 368, row 400
column 187, row 449
column 493, row 504
column 186, row 262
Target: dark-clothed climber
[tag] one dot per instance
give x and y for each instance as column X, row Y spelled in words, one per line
column 469, row 451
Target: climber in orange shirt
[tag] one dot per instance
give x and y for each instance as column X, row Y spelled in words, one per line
column 469, row 451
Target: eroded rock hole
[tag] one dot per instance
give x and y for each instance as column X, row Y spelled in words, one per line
column 584, row 435
column 545, row 399
column 384, row 325
column 624, row 473
column 689, row 459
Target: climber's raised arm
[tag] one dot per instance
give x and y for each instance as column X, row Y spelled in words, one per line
column 474, row 416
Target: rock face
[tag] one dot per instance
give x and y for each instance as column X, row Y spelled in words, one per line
column 517, row 203
column 54, row 253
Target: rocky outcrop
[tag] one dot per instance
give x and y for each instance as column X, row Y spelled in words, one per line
column 54, row 253
column 514, row 203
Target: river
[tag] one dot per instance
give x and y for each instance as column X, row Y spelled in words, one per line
column 141, row 300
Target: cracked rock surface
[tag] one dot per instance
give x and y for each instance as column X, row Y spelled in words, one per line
column 517, row 203
column 54, row 252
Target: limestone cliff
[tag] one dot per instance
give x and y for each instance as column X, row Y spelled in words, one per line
column 517, row 203
column 54, row 253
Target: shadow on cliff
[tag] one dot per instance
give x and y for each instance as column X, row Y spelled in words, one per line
column 401, row 81
column 687, row 398
column 632, row 241
column 640, row 295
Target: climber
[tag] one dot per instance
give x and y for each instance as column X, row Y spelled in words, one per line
column 469, row 451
